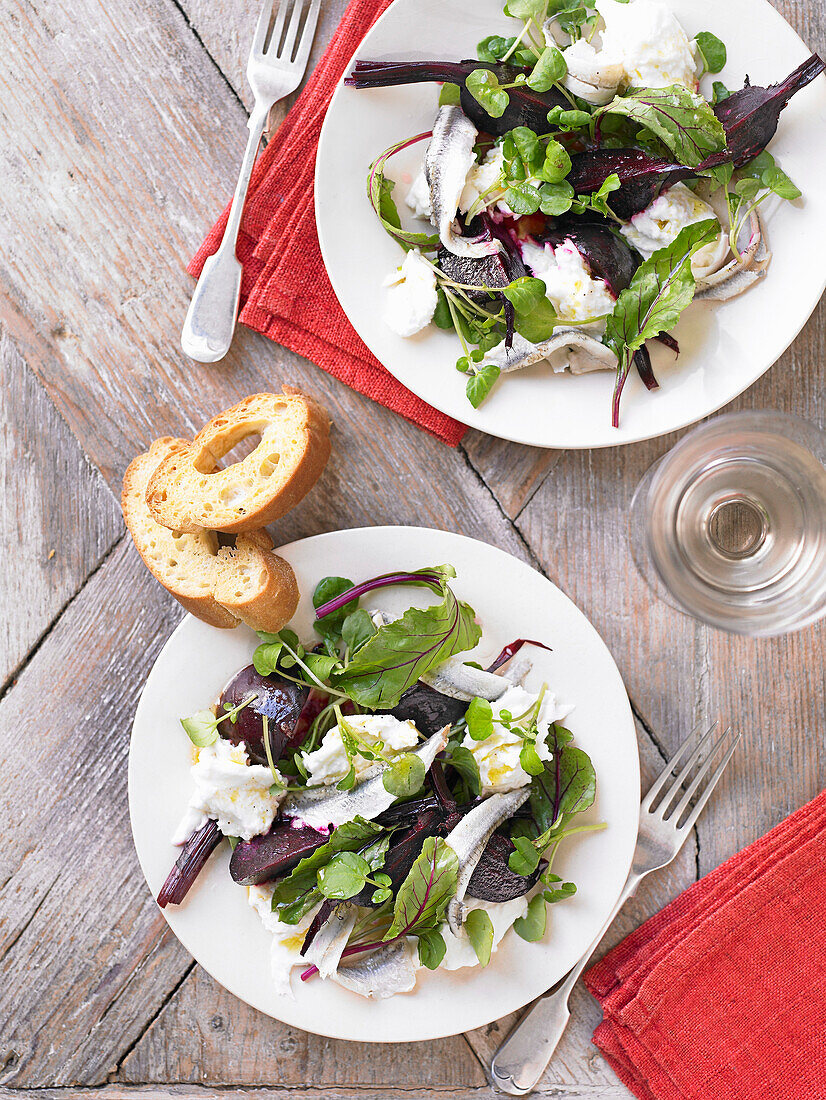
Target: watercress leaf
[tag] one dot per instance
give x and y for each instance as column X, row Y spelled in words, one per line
column 463, row 760
column 531, row 927
column 265, row 658
column 525, row 294
column 404, row 777
column 320, row 664
column 479, row 718
column 402, row 651
column 522, row 197
column 375, row 854
column 549, row 69
column 422, row 898
column 432, row 948
column 557, row 164
column 555, row 198
column 481, row 383
column 357, row 629
column 442, row 317
column 479, row 928
column 201, row 728
column 560, row 893
column 525, row 859
column 719, row 92
column 528, row 146
column 538, row 325
column 450, row 95
column 525, row 9
column 778, row 182
column 349, row 781
column 343, row 877
column 493, row 48
column 300, row 885
column 483, row 85
column 566, row 786
column 748, row 188
column 571, row 120
column 529, row 759
column 681, row 119
column 712, row 51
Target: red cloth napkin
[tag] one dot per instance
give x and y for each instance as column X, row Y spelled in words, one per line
column 722, row 995
column 286, row 293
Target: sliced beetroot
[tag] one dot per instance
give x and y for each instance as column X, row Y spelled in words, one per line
column 281, row 702
column 404, row 849
column 641, row 176
column 525, row 107
column 750, row 115
column 669, row 341
column 189, row 864
column 497, row 270
column 493, row 880
column 428, row 709
column 266, row 857
column 642, row 361
column 314, row 704
column 607, row 255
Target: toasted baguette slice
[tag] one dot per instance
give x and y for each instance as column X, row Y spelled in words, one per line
column 255, row 584
column 188, row 492
column 184, row 564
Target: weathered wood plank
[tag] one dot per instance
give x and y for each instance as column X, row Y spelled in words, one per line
column 57, row 517
column 205, row 1034
column 391, row 1092
column 512, row 472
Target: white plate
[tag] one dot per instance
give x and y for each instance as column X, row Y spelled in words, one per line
column 215, row 922
column 724, row 348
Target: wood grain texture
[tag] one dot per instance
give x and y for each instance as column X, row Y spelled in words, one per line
column 188, row 1092
column 49, row 493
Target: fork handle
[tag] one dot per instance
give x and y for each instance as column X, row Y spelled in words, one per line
column 524, row 1056
column 210, row 320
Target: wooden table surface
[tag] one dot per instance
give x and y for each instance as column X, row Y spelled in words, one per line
column 122, row 128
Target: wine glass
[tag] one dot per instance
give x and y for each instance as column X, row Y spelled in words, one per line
column 730, row 525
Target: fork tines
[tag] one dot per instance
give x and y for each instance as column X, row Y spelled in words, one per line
column 667, row 801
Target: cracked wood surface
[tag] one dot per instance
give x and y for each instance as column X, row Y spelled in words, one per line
column 113, row 169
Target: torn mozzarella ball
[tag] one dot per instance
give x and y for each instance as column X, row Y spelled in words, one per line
column 232, row 791
column 481, row 178
column 569, row 285
column 287, row 939
column 502, row 914
column 329, row 763
column 654, row 48
column 418, row 197
column 658, row 225
column 593, row 75
column 498, row 755
column 411, row 295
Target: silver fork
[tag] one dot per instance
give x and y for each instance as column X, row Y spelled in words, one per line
column 523, row 1057
column 276, row 65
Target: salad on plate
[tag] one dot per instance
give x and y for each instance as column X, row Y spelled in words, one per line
column 584, row 181
column 390, row 804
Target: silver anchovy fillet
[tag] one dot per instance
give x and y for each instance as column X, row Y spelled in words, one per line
column 591, row 353
column 331, row 939
column 388, row 970
column 368, row 798
column 448, row 160
column 469, row 838
column 739, row 273
column 460, row 681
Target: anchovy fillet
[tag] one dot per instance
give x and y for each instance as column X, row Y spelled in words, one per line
column 525, row 354
column 329, row 806
column 739, row 273
column 460, row 681
column 469, row 839
column 388, row 970
column 448, row 160
column 331, row 939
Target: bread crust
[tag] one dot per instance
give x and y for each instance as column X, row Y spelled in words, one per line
column 187, row 492
column 182, row 563
column 255, row 584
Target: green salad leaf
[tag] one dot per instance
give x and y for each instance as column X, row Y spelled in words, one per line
column 484, row 86
column 423, row 897
column 681, row 119
column 479, row 928
column 712, row 51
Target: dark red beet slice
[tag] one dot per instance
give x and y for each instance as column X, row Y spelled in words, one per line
column 428, row 709
column 525, row 107
column 266, row 857
column 189, row 864
column 497, row 270
column 750, row 115
column 641, row 175
column 606, row 254
column 492, row 879
column 281, row 702
column 642, row 361
column 403, row 851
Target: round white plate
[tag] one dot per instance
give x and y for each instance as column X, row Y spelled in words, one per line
column 511, row 600
column 724, row 347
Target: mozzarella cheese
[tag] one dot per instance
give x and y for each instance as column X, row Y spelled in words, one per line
column 232, row 791
column 574, row 293
column 411, row 295
column 418, row 197
column 481, row 178
column 502, row 914
column 287, row 939
column 654, row 49
column 658, row 225
column 329, row 762
column 497, row 756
